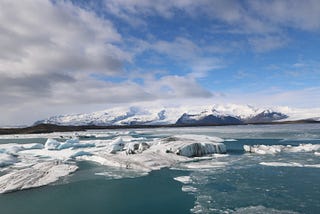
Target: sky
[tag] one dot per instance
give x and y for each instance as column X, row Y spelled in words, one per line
column 73, row 56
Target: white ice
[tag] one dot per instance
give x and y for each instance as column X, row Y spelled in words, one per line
column 291, row 164
column 274, row 149
column 183, row 179
column 37, row 175
column 7, row 159
column 29, row 163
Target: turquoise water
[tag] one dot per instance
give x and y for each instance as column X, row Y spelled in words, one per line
column 239, row 184
column 155, row 193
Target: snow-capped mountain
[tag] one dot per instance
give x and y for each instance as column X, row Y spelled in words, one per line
column 184, row 115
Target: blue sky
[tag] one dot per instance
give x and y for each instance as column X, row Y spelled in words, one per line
column 79, row 56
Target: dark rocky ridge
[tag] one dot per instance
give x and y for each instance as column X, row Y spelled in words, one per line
column 208, row 120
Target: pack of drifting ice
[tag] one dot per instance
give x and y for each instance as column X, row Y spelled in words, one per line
column 33, row 165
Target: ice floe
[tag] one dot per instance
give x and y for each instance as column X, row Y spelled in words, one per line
column 191, row 146
column 187, row 188
column 37, row 175
column 183, row 179
column 32, row 165
column 261, row 209
column 7, row 159
column 291, row 164
column 274, row 149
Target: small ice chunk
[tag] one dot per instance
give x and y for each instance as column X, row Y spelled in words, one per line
column 131, row 147
column 183, row 179
column 117, row 145
column 14, row 150
column 187, row 188
column 68, row 144
column 33, row 146
column 143, row 146
column 51, row 144
column 80, row 153
column 261, row 209
column 7, row 159
column 72, row 140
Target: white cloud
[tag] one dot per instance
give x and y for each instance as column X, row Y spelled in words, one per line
column 41, row 37
column 267, row 43
column 303, row 15
column 53, row 48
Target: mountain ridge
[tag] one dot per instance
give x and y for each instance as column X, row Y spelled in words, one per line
column 183, row 115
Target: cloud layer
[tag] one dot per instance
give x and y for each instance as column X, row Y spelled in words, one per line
column 63, row 56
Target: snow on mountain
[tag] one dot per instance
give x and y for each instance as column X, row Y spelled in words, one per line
column 210, row 114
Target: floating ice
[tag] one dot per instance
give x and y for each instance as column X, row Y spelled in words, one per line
column 7, row 159
column 33, row 146
column 80, row 153
column 144, row 157
column 203, row 165
column 187, row 188
column 183, row 179
column 195, row 145
column 261, row 209
column 51, row 144
column 291, row 164
column 274, row 149
column 37, row 175
column 117, row 145
column 134, row 147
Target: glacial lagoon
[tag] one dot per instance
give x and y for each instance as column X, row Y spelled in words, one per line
column 266, row 169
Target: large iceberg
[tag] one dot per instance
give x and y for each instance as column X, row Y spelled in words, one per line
column 195, row 146
column 37, row 175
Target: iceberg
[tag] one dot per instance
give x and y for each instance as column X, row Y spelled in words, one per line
column 291, row 164
column 195, row 146
column 183, row 179
column 37, row 175
column 43, row 164
column 7, row 159
column 80, row 153
column 51, row 144
column 274, row 149
column 117, row 145
column 135, row 147
column 33, row 146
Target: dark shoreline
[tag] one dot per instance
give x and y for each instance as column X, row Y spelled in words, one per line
column 49, row 128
